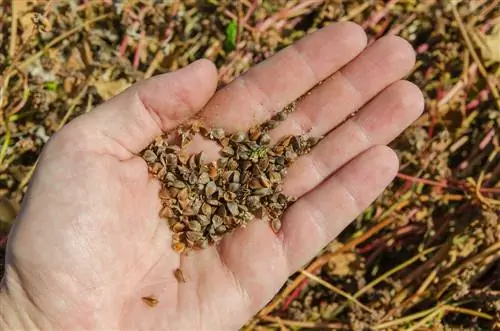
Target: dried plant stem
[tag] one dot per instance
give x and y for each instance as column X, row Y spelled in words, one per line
column 62, row 37
column 333, row 326
column 387, row 275
column 406, row 319
column 475, row 56
column 68, row 114
column 323, row 260
column 338, row 291
column 13, row 30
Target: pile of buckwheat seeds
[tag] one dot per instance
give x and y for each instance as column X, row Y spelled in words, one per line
column 203, row 201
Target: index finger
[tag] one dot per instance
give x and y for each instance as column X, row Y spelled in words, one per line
column 268, row 87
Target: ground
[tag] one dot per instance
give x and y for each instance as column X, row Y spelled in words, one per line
column 424, row 255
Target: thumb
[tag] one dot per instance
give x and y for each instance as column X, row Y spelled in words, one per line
column 135, row 117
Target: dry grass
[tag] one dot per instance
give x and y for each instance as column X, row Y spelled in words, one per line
column 426, row 254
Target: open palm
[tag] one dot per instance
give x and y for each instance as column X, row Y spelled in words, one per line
column 89, row 244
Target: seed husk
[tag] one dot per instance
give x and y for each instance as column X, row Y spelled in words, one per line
column 210, row 189
column 238, row 137
column 194, row 235
column 179, row 275
column 194, row 226
column 151, row 301
column 233, row 208
column 203, row 220
column 276, row 225
column 217, row 133
column 149, row 156
column 166, row 212
column 178, row 247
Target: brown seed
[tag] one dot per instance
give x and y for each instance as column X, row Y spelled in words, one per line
column 281, row 116
column 236, row 177
column 206, row 209
column 264, row 181
column 204, row 178
column 155, row 168
column 193, row 178
column 255, row 183
column 196, row 205
column 166, row 212
column 221, row 229
column 263, row 164
column 261, row 191
column 247, row 216
column 203, row 243
column 232, row 164
column 212, row 170
column 210, row 189
column 238, row 137
column 229, row 196
column 178, row 227
column 151, row 301
column 213, row 202
column 149, row 156
column 254, row 133
column 274, row 177
column 233, row 187
column 170, row 177
column 194, row 226
column 203, row 220
column 171, row 160
column 164, row 193
column 221, row 211
column 183, row 157
column 265, row 139
column 282, row 200
column 183, row 194
column 192, row 162
column 179, row 184
column 179, row 275
column 290, row 156
column 276, row 225
column 246, row 165
column 201, row 159
column 227, row 151
column 171, row 148
column 178, row 247
column 184, row 204
column 217, row 221
column 242, row 153
column 233, row 208
column 217, row 133
column 194, row 235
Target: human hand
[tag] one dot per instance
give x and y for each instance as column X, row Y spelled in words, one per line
column 89, row 244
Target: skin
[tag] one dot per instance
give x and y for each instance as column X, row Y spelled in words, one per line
column 88, row 243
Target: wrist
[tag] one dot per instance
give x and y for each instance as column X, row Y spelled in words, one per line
column 16, row 311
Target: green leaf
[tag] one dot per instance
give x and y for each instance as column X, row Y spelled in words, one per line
column 231, row 33
column 51, row 86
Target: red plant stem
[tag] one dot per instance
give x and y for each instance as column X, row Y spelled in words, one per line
column 422, row 180
column 3, row 240
column 294, row 294
column 376, row 17
column 444, row 183
column 138, row 49
column 486, row 140
column 123, row 45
